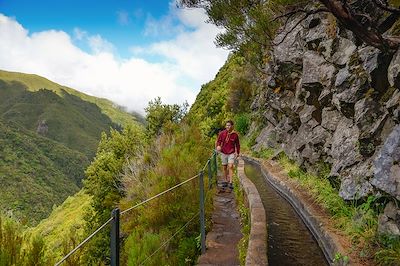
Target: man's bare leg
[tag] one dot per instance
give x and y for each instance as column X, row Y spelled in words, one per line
column 226, row 173
column 230, row 173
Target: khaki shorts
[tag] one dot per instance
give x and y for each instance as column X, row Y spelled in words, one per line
column 227, row 158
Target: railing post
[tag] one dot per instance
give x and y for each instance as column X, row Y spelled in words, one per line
column 216, row 167
column 115, row 237
column 209, row 174
column 202, row 215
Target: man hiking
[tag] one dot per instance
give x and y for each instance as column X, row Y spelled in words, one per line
column 228, row 145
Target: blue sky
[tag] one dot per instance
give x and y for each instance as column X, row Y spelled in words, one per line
column 122, row 22
column 127, row 51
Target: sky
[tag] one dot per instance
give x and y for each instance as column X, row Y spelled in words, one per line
column 128, row 51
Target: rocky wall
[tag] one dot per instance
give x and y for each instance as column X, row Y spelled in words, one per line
column 329, row 100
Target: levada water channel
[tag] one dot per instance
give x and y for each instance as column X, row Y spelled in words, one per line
column 289, row 240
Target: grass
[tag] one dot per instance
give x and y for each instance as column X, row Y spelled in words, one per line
column 389, row 253
column 180, row 155
column 18, row 248
column 264, row 153
column 358, row 220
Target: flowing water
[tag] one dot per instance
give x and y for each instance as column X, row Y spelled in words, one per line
column 289, row 240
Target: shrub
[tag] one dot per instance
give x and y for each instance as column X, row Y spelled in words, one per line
column 242, row 123
column 17, row 248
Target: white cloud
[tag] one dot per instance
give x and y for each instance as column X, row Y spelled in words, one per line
column 191, row 17
column 193, row 51
column 168, row 25
column 130, row 82
column 98, row 44
column 163, row 27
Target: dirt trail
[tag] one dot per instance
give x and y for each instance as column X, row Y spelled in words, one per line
column 222, row 240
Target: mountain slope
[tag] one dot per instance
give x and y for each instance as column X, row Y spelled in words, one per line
column 59, row 113
column 48, row 135
column 34, row 82
column 68, row 119
column 210, row 109
column 36, row 173
column 65, row 224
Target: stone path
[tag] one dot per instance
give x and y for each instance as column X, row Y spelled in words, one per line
column 222, row 240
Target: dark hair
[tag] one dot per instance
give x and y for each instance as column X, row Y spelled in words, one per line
column 230, row 122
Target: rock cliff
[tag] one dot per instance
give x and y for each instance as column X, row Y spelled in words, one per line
column 327, row 99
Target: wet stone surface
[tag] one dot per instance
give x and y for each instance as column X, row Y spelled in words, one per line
column 222, row 240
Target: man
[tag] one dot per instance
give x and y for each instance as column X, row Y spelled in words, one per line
column 228, row 145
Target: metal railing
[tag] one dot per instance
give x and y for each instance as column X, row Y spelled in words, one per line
column 210, row 165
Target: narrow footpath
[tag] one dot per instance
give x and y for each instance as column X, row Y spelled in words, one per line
column 222, row 240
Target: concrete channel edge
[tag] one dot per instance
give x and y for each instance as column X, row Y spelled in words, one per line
column 325, row 240
column 257, row 248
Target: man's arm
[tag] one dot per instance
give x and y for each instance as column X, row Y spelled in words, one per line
column 237, row 145
column 218, row 142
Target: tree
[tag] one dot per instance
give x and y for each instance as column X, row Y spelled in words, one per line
column 159, row 115
column 249, row 24
column 243, row 20
column 368, row 20
column 104, row 183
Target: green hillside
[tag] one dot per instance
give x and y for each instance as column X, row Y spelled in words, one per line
column 65, row 224
column 36, row 173
column 219, row 99
column 34, row 83
column 67, row 116
column 48, row 135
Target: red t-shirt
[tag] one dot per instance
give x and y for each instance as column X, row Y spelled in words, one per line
column 229, row 141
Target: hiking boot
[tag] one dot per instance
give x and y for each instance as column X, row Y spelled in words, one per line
column 224, row 184
column 231, row 186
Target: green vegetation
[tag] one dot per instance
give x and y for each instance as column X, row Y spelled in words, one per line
column 129, row 168
column 250, row 27
column 263, row 153
column 34, row 83
column 161, row 116
column 16, row 248
column 42, row 165
column 242, row 123
column 211, row 108
column 65, row 226
column 389, row 252
column 36, row 173
column 103, row 182
column 69, row 120
column 181, row 156
column 358, row 220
